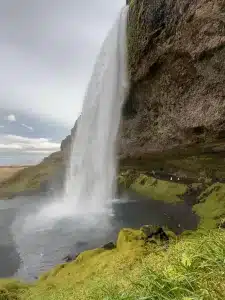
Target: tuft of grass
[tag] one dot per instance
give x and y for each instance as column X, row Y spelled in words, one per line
column 11, row 289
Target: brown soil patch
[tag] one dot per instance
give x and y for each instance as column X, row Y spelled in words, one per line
column 7, row 171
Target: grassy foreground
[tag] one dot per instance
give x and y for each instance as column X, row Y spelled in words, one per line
column 192, row 267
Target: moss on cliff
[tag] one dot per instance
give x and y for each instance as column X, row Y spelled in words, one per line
column 188, row 163
column 159, row 189
column 211, row 206
column 145, row 185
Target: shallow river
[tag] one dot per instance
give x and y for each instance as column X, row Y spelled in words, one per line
column 30, row 246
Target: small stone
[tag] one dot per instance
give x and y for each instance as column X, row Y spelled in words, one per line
column 109, row 246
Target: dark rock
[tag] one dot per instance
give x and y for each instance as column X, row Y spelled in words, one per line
column 109, row 246
column 70, row 257
column 66, row 143
column 154, row 233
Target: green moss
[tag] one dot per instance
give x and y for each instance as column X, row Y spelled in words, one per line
column 127, row 178
column 171, row 235
column 11, row 289
column 159, row 189
column 186, row 233
column 129, row 239
column 86, row 255
column 211, row 208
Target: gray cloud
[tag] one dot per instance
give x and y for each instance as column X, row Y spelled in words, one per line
column 11, row 118
column 27, row 127
column 30, row 145
column 42, row 128
column 48, row 48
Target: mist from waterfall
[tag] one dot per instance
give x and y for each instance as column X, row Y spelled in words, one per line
column 90, row 183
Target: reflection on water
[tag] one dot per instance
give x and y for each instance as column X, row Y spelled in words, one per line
column 46, row 243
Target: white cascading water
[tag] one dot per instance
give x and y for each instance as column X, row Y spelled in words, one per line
column 92, row 169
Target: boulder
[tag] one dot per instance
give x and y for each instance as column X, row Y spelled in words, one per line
column 109, row 246
column 154, row 233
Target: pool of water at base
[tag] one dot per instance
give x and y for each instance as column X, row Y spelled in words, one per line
column 31, row 246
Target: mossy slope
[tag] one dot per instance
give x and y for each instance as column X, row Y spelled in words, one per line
column 31, row 178
column 211, row 206
column 191, row 267
column 156, row 189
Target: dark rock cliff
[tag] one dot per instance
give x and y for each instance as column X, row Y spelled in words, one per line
column 65, row 146
column 176, row 105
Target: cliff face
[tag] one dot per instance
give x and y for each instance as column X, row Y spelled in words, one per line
column 177, row 70
column 176, row 106
column 67, row 142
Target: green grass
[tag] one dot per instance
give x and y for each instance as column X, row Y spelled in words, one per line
column 11, row 289
column 191, row 268
column 156, row 189
column 30, row 178
column 211, row 208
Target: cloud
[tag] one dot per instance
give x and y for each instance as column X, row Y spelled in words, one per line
column 48, row 49
column 28, row 127
column 11, row 118
column 28, row 145
column 37, row 151
column 2, row 126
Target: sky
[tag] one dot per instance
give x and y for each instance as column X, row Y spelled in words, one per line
column 47, row 52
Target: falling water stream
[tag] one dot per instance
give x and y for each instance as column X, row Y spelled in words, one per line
column 92, row 170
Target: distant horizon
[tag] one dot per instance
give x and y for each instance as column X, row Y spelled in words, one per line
column 23, row 159
column 15, row 166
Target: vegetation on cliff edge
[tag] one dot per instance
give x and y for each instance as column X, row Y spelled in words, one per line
column 149, row 186
column 31, row 178
column 211, row 206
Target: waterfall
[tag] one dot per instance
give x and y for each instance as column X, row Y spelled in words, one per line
column 90, row 178
column 90, row 181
